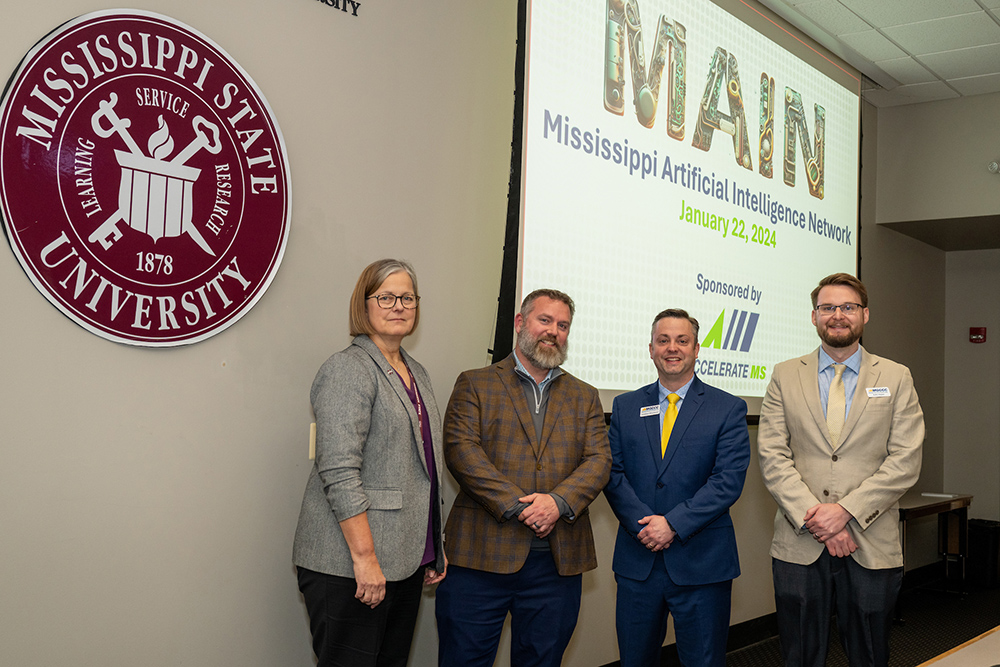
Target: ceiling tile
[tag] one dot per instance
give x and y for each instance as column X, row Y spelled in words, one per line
column 832, row 16
column 883, row 13
column 977, row 85
column 947, row 34
column 991, row 4
column 976, row 61
column 872, row 45
column 906, row 70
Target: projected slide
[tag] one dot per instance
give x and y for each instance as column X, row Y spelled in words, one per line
column 678, row 158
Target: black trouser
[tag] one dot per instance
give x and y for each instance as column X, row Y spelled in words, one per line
column 863, row 599
column 348, row 633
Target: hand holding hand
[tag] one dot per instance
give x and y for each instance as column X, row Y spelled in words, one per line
column 826, row 520
column 842, row 544
column 657, row 534
column 541, row 513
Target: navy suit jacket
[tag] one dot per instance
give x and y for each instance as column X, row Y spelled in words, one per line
column 693, row 486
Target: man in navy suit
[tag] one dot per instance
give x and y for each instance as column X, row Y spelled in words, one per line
column 676, row 547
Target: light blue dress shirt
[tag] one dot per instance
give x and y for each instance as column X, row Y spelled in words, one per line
column 826, row 374
column 664, row 403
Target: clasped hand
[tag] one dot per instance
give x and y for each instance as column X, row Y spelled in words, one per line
column 827, row 522
column 657, row 534
column 541, row 513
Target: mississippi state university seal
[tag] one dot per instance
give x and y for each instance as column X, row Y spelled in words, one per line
column 143, row 178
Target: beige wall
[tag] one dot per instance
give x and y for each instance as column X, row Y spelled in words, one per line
column 972, row 382
column 148, row 497
column 932, row 160
column 905, row 278
column 932, row 165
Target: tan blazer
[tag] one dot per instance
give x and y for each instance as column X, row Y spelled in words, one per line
column 491, row 448
column 877, row 460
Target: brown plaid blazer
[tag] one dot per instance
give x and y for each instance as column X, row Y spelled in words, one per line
column 491, row 448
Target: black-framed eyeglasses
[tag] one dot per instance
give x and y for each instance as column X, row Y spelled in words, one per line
column 388, row 301
column 845, row 308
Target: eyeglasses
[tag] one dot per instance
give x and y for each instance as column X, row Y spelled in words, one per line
column 388, row 301
column 845, row 308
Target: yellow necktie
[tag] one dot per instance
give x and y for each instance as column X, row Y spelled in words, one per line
column 836, row 405
column 668, row 423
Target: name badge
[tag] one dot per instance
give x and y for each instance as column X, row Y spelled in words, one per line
column 877, row 392
column 649, row 410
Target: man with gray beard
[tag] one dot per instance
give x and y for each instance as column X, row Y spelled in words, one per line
column 527, row 444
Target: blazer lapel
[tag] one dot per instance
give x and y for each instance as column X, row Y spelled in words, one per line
column 427, row 398
column 392, row 377
column 507, row 371
column 692, row 403
column 868, row 377
column 653, row 424
column 809, row 382
column 555, row 407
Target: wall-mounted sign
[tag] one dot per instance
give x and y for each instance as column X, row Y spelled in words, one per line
column 144, row 182
column 344, row 5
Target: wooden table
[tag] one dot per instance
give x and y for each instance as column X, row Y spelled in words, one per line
column 952, row 511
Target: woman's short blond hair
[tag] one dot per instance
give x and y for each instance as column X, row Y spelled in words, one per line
column 374, row 275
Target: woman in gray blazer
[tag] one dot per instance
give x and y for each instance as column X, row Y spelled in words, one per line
column 369, row 533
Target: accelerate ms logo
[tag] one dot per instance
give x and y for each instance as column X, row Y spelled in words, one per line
column 144, row 183
column 737, row 336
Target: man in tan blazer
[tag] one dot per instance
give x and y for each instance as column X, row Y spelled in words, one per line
column 528, row 446
column 840, row 440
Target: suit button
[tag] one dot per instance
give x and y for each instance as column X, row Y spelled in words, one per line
column 834, row 457
column 659, row 485
column 825, row 492
column 538, row 467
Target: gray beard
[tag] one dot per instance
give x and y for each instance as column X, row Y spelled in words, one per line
column 540, row 356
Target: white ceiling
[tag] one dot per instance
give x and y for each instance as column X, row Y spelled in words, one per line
column 910, row 50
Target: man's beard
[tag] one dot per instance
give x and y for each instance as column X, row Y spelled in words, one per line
column 846, row 339
column 540, row 355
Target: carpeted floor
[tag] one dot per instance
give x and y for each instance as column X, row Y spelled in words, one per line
column 934, row 621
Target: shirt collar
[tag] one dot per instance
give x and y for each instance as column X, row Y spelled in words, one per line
column 682, row 392
column 853, row 362
column 523, row 372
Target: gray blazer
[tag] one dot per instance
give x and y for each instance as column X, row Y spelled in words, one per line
column 369, row 458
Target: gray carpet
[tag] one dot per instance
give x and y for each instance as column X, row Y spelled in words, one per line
column 934, row 621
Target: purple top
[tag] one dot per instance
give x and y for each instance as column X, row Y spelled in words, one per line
column 425, row 435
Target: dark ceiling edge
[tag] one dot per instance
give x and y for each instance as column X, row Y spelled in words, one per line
column 953, row 234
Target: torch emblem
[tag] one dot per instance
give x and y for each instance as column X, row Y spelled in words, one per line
column 155, row 196
column 151, row 204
